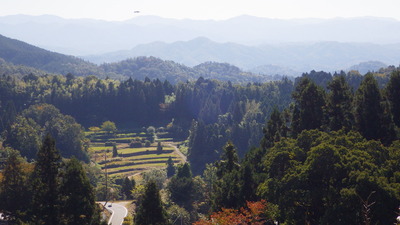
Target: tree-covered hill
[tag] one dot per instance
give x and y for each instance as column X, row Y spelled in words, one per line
column 20, row 58
column 21, row 53
column 155, row 68
column 330, row 145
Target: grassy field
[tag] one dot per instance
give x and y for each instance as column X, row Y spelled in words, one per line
column 130, row 161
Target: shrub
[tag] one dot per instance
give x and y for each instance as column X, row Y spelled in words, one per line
column 136, row 144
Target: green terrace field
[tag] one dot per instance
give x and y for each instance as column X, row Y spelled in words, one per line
column 131, row 160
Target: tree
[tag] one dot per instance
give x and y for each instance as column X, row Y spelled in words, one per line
column 23, row 135
column 151, row 210
column 27, row 130
column 114, row 151
column 274, row 130
column 339, row 104
column 181, row 186
column 226, row 190
column 127, row 187
column 324, row 180
column 229, row 160
column 309, row 106
column 108, row 126
column 46, row 183
column 79, row 205
column 9, row 116
column 370, row 120
column 393, row 93
column 14, row 193
column 170, row 167
column 159, row 148
column 94, row 129
column 256, row 213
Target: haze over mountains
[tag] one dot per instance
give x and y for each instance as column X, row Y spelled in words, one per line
column 289, row 59
column 260, row 45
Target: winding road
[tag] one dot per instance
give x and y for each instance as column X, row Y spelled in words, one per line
column 118, row 213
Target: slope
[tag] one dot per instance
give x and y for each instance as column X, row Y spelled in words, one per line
column 21, row 53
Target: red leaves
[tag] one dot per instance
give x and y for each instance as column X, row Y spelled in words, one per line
column 254, row 213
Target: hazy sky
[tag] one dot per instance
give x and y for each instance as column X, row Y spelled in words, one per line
column 202, row 9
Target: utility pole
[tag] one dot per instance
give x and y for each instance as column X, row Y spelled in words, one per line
column 105, row 168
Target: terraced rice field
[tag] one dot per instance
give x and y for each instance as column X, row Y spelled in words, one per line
column 130, row 161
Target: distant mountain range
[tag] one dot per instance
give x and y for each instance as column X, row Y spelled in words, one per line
column 18, row 58
column 288, row 59
column 258, row 45
column 85, row 36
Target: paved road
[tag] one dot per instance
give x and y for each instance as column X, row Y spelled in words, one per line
column 119, row 212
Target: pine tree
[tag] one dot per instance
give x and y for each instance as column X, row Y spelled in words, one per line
column 46, row 184
column 151, row 210
column 78, row 195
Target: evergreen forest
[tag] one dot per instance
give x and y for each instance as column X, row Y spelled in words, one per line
column 321, row 148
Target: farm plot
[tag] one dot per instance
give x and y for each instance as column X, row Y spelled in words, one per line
column 130, row 160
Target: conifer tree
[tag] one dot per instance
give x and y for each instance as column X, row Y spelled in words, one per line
column 159, row 148
column 78, row 195
column 369, row 116
column 393, row 95
column 229, row 160
column 127, row 186
column 151, row 210
column 181, row 186
column 309, row 106
column 274, row 129
column 339, row 104
column 170, row 167
column 46, row 183
column 227, row 188
column 114, row 151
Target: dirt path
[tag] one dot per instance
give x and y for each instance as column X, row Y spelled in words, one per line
column 177, row 151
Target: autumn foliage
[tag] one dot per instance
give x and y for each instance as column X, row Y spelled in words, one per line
column 254, row 213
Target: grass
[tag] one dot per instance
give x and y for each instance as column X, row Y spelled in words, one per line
column 100, row 148
column 166, row 156
column 130, row 160
column 133, row 168
column 165, row 139
column 121, row 138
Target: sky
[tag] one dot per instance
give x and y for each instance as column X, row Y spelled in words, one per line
column 118, row 10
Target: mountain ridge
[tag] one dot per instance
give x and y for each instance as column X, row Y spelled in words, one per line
column 293, row 58
column 19, row 58
column 86, row 36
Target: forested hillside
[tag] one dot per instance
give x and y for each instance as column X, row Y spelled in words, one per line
column 20, row 53
column 315, row 150
column 19, row 58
